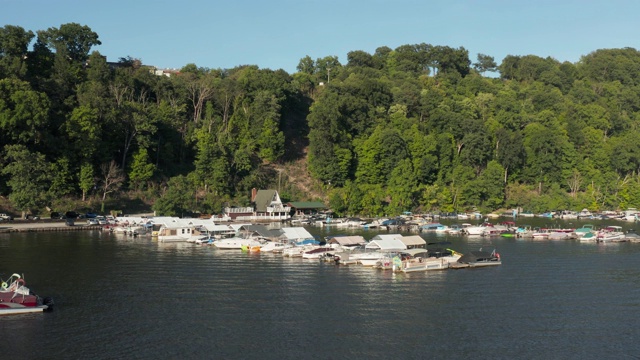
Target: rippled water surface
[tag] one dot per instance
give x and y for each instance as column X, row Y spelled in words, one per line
column 120, row 298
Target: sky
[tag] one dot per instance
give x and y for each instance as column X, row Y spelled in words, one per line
column 276, row 34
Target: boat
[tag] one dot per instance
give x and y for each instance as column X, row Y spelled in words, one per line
column 477, row 230
column 588, row 237
column 454, row 230
column 524, row 231
column 611, row 234
column 540, row 234
column 17, row 298
column 319, row 252
column 559, row 234
column 631, row 236
column 480, row 258
column 585, row 229
column 585, row 214
column 275, row 246
column 237, row 243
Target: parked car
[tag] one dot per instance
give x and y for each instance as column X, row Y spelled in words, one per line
column 71, row 214
column 4, row 216
column 92, row 221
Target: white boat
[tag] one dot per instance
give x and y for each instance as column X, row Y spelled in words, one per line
column 585, row 214
column 275, row 246
column 426, row 260
column 476, row 230
column 611, row 234
column 588, row 237
column 424, row 264
column 237, row 243
column 351, row 223
column 370, row 259
column 559, row 235
column 454, row 230
column 297, row 251
column 540, row 234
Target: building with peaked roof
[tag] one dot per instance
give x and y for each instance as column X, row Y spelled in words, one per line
column 267, row 206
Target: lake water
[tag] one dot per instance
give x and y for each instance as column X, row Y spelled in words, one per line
column 120, row 298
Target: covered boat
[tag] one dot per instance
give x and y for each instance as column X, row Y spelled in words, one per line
column 16, row 298
column 480, row 258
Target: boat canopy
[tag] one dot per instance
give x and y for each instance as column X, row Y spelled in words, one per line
column 295, row 233
column 413, row 241
column 414, row 252
column 386, row 244
column 386, row 237
column 347, row 240
column 475, row 256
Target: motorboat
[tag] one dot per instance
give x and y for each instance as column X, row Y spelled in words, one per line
column 588, row 237
column 454, row 230
column 585, row 229
column 524, row 231
column 318, row 252
column 559, row 235
column 427, row 259
column 17, row 298
column 631, row 236
column 540, row 234
column 237, row 243
column 275, row 246
column 480, row 258
column 611, row 234
column 477, row 230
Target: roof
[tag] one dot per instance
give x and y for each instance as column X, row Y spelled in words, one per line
column 261, row 230
column 296, row 233
column 413, row 240
column 414, row 252
column 386, row 244
column 263, row 199
column 307, row 205
column 347, row 240
column 386, row 237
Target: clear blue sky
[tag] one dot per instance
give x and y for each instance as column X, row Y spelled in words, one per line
column 276, row 34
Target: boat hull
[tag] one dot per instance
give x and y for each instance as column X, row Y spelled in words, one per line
column 22, row 310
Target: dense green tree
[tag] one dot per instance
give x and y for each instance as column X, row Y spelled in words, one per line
column 86, row 179
column 485, row 63
column 178, row 198
column 141, row 169
column 23, row 112
column 14, row 42
column 29, row 178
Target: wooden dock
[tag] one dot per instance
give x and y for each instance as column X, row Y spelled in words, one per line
column 21, row 229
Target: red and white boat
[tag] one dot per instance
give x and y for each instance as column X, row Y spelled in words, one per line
column 16, row 298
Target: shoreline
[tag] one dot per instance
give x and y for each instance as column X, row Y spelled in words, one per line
column 37, row 226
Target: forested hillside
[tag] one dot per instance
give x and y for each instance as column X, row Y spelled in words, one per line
column 416, row 128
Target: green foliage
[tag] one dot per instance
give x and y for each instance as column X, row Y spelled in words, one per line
column 141, row 170
column 400, row 129
column 29, row 177
column 178, row 198
column 86, row 179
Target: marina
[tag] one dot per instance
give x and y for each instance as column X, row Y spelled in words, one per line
column 548, row 299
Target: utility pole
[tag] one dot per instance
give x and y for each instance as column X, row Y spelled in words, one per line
column 328, row 75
